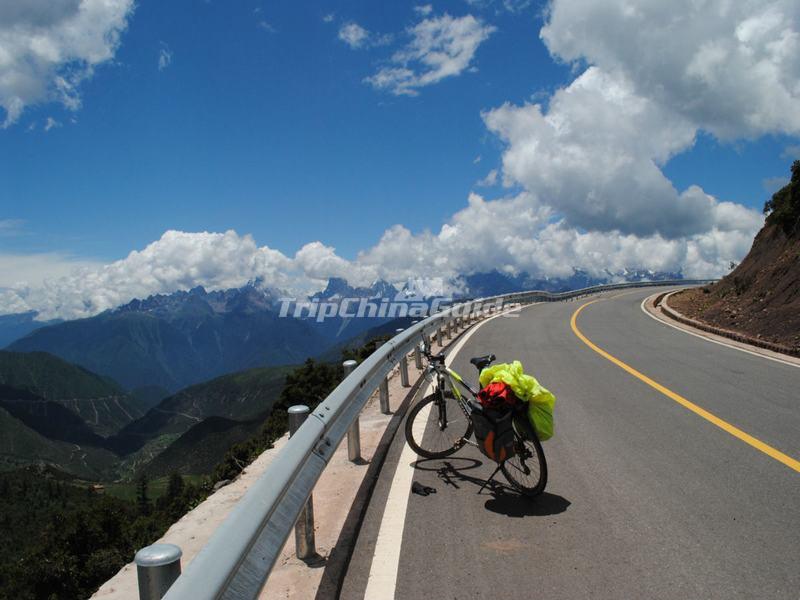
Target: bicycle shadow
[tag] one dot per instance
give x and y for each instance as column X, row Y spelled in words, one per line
column 505, row 500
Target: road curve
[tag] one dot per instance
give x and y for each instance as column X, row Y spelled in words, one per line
column 646, row 499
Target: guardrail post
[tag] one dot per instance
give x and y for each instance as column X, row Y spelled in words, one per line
column 403, row 368
column 418, row 351
column 304, row 527
column 384, row 396
column 157, row 568
column 354, row 433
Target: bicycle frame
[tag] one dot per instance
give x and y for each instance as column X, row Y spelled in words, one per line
column 455, row 380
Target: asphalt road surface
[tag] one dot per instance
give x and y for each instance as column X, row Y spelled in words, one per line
column 645, row 499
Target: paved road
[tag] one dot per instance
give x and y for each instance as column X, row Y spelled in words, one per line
column 645, row 498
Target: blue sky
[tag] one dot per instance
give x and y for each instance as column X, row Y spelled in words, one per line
column 256, row 116
column 247, row 125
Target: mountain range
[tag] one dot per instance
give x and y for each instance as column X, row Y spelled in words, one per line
column 180, row 339
column 42, row 421
column 170, row 341
column 15, row 326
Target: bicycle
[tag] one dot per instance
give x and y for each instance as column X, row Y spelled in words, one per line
column 447, row 426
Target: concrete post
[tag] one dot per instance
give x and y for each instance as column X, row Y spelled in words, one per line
column 403, row 368
column 304, row 528
column 157, row 568
column 354, row 433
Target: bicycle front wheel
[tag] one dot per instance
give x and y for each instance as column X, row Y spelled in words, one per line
column 437, row 426
column 527, row 469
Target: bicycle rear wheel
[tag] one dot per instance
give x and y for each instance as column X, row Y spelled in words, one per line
column 436, row 427
column 527, row 469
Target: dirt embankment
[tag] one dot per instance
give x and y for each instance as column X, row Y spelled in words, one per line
column 761, row 297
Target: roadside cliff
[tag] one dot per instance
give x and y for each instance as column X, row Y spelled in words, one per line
column 760, row 297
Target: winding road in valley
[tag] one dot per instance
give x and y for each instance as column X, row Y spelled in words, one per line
column 674, row 473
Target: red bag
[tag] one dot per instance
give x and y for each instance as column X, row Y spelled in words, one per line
column 498, row 395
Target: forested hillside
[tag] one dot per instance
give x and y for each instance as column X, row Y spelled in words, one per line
column 99, row 401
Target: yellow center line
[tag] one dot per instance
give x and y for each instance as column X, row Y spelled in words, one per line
column 734, row 431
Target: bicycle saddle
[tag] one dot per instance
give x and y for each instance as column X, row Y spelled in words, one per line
column 481, row 362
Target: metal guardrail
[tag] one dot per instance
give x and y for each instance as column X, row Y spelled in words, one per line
column 238, row 558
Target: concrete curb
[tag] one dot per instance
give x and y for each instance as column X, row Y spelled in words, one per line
column 726, row 333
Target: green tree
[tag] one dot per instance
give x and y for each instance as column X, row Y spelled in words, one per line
column 142, row 500
column 783, row 209
column 175, row 486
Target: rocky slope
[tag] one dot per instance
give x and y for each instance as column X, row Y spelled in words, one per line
column 761, row 297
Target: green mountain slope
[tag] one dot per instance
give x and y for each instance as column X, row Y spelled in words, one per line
column 48, row 418
column 239, row 397
column 52, row 377
column 201, row 448
column 98, row 400
column 21, row 446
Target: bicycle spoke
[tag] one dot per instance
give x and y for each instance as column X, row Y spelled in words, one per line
column 444, row 429
column 526, row 470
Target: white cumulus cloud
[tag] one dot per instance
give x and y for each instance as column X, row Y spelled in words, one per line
column 439, row 47
column 657, row 75
column 729, row 67
column 512, row 235
column 48, row 47
column 353, row 35
column 594, row 156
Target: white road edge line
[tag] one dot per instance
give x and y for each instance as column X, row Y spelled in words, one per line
column 382, row 580
column 713, row 341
